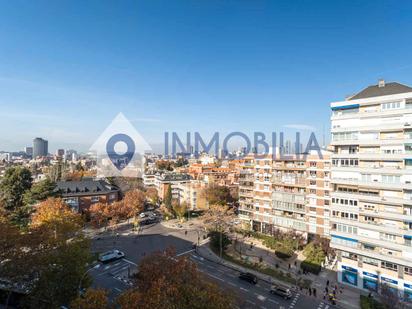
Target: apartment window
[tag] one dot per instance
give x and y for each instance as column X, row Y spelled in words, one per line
column 391, row 179
column 313, row 183
column 370, row 261
column 369, row 219
column 407, row 270
column 351, row 256
column 391, row 105
column 389, row 265
column 386, row 236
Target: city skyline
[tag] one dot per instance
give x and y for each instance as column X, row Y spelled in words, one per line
column 268, row 58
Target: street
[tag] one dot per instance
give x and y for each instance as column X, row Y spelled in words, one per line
column 114, row 276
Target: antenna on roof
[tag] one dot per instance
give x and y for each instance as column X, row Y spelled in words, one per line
column 381, row 83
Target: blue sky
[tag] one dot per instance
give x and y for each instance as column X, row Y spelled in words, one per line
column 67, row 68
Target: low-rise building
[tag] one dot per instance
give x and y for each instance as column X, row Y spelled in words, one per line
column 80, row 195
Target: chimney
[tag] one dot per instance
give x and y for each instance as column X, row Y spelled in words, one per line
column 381, row 83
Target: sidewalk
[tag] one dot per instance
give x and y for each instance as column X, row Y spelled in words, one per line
column 349, row 298
column 204, row 251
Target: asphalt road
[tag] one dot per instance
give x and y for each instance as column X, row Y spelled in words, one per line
column 113, row 276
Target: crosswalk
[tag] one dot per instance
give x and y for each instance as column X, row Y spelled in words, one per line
column 323, row 305
column 294, row 301
column 120, row 270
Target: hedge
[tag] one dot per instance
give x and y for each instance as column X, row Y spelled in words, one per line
column 311, row 267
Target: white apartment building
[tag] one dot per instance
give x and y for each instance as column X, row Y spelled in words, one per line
column 371, row 174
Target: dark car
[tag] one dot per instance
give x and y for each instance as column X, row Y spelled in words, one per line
column 281, row 291
column 251, row 278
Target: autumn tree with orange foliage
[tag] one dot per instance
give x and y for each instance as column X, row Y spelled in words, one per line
column 152, row 195
column 55, row 216
column 165, row 281
column 135, row 200
column 92, row 299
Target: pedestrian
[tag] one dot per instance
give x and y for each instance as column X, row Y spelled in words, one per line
column 324, row 295
column 327, row 283
column 314, row 292
column 289, row 265
column 310, row 292
column 326, row 290
column 296, row 263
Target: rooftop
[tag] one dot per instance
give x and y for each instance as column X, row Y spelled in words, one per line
column 381, row 89
column 85, row 187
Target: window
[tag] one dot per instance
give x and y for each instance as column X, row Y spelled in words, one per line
column 389, row 265
column 386, row 236
column 350, row 256
column 407, row 270
column 391, row 105
column 370, row 261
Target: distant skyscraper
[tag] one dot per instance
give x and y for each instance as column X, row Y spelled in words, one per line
column 28, row 151
column 60, row 153
column 40, row 147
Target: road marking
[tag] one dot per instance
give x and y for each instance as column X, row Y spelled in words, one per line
column 232, row 284
column 260, row 297
column 273, row 301
column 243, row 289
column 213, row 276
column 186, row 252
column 117, row 289
column 130, row 262
column 250, row 302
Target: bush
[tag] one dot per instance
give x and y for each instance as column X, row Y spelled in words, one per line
column 369, row 303
column 282, row 255
column 310, row 267
column 215, row 237
column 314, row 258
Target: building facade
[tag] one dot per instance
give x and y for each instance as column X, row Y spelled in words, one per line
column 290, row 193
column 371, row 175
column 40, row 147
column 80, row 195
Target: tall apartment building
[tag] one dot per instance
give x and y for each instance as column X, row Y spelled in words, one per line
column 289, row 193
column 40, row 147
column 371, row 209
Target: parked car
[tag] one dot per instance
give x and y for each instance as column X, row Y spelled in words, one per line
column 281, row 291
column 110, row 256
column 142, row 215
column 251, row 278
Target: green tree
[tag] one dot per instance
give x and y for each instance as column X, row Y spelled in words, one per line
column 168, row 198
column 40, row 191
column 219, row 240
column 17, row 180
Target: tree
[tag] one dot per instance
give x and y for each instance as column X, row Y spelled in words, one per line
column 179, row 208
column 168, row 197
column 40, row 191
column 135, row 200
column 60, row 273
column 99, row 214
column 17, row 180
column 92, row 299
column 164, row 165
column 49, row 259
column 165, row 281
column 54, row 216
column 218, row 195
column 219, row 240
column 152, row 195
